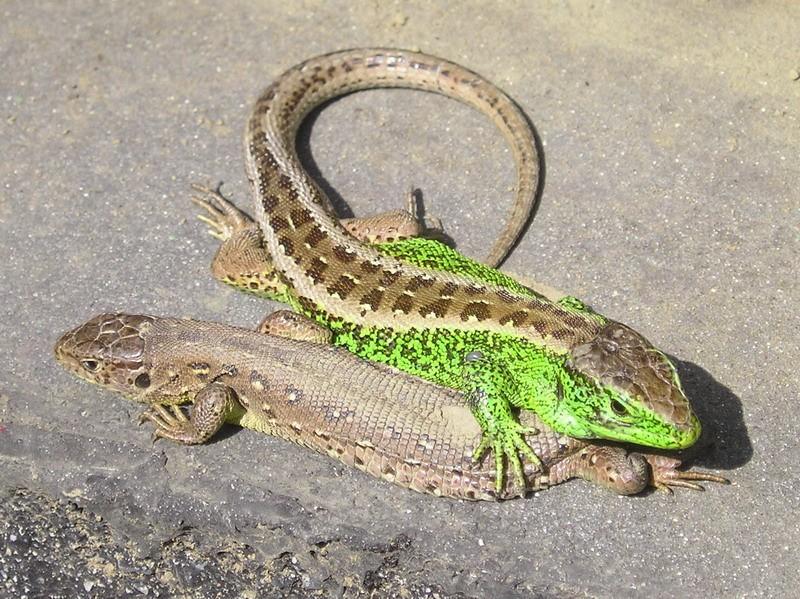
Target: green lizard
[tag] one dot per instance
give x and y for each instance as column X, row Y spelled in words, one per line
column 422, row 307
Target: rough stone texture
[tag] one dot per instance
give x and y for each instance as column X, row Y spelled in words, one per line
column 671, row 203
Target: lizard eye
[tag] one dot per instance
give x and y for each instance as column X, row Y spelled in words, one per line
column 90, row 365
column 618, row 408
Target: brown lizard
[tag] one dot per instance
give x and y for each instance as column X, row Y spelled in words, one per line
column 389, row 424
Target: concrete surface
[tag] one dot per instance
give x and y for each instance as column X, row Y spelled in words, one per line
column 671, row 140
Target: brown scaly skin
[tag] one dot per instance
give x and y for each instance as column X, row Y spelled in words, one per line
column 383, row 422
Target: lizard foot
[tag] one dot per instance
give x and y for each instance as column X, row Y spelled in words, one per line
column 666, row 476
column 242, row 260
column 506, row 449
column 224, row 219
column 432, row 224
column 212, row 405
column 170, row 424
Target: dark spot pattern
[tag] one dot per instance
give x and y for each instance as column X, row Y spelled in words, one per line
column 449, row 289
column 404, row 303
column 343, row 254
column 372, row 299
column 259, row 380
column 301, row 216
column 278, row 223
column 294, row 395
column 479, row 310
column 388, row 278
column 287, row 245
column 419, row 282
column 315, row 236
column 438, row 307
column 474, row 290
column 343, row 286
column 517, row 318
column 369, row 267
column 316, row 269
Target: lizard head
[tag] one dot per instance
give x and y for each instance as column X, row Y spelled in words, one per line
column 632, row 394
column 108, row 350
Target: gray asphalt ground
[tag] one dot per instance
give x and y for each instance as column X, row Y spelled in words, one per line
column 671, row 203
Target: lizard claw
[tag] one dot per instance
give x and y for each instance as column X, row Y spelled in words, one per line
column 223, row 218
column 666, row 476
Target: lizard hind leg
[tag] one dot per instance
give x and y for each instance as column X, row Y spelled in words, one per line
column 627, row 473
column 385, row 227
column 395, row 225
column 242, row 260
column 665, row 475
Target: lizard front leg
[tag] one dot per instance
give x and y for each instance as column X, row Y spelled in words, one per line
column 292, row 325
column 212, row 406
column 487, row 387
